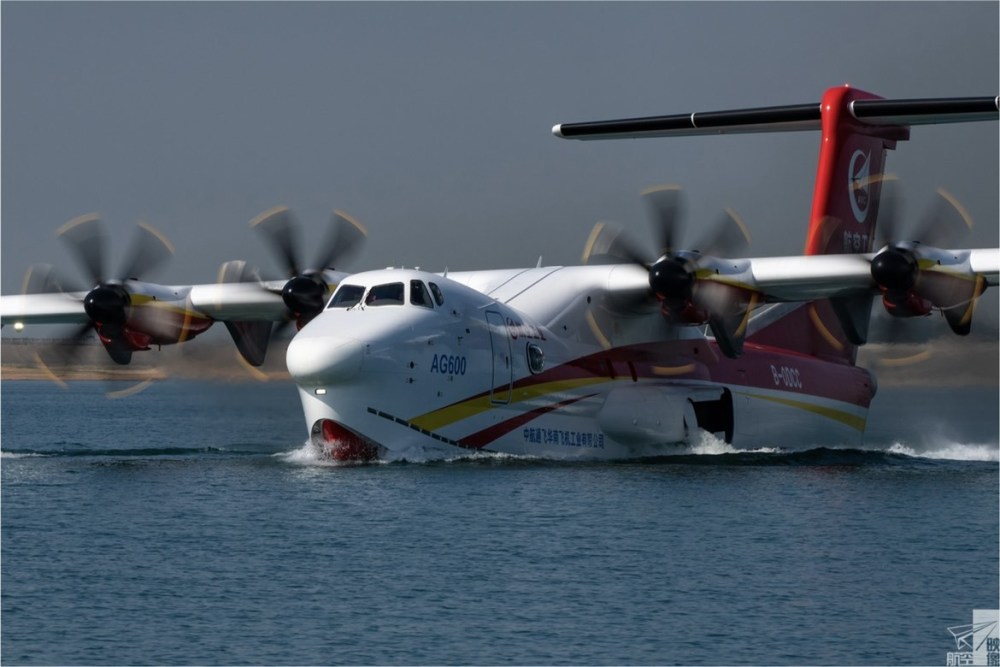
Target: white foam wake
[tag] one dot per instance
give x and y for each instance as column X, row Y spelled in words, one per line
column 306, row 455
column 708, row 444
column 952, row 451
column 20, row 455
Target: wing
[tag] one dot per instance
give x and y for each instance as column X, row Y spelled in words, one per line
column 52, row 308
column 133, row 315
column 724, row 293
column 233, row 302
column 137, row 315
column 809, row 277
column 218, row 302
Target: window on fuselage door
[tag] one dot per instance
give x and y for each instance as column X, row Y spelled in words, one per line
column 389, row 294
column 419, row 295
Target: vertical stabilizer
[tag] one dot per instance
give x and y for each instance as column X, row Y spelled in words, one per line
column 844, row 212
column 849, row 176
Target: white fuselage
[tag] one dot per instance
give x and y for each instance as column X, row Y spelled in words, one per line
column 537, row 362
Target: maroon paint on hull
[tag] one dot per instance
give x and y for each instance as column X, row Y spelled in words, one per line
column 812, row 329
column 760, row 366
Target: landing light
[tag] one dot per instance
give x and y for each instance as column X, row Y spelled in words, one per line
column 18, row 327
column 321, row 392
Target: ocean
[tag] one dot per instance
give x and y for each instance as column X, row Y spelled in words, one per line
column 188, row 524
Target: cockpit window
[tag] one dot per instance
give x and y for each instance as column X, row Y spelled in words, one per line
column 419, row 295
column 347, row 296
column 389, row 294
column 438, row 296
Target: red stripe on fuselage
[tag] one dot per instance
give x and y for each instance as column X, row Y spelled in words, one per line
column 486, row 436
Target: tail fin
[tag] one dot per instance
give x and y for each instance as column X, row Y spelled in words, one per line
column 848, row 180
column 844, row 213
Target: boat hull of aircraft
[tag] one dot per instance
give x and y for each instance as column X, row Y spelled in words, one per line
column 646, row 421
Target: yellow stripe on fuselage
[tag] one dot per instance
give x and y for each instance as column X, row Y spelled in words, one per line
column 470, row 408
column 852, row 420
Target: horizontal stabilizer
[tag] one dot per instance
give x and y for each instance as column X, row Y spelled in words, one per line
column 785, row 118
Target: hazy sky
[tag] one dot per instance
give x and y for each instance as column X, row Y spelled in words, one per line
column 431, row 122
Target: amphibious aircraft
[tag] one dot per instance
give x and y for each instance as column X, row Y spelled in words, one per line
column 631, row 353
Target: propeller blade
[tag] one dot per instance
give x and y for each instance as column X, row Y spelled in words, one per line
column 956, row 297
column 945, row 224
column 942, row 224
column 910, row 290
column 149, row 250
column 55, row 359
column 730, row 238
column 664, row 204
column 306, row 291
column 682, row 279
column 344, row 239
column 87, row 239
column 42, row 279
column 279, row 228
column 608, row 243
column 116, row 347
column 106, row 301
column 888, row 210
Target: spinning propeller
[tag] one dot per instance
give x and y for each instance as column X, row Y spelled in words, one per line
column 918, row 275
column 108, row 303
column 307, row 290
column 693, row 286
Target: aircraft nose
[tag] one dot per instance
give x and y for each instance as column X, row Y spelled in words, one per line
column 323, row 360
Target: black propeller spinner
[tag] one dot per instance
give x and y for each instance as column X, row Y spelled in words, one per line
column 672, row 278
column 895, row 268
